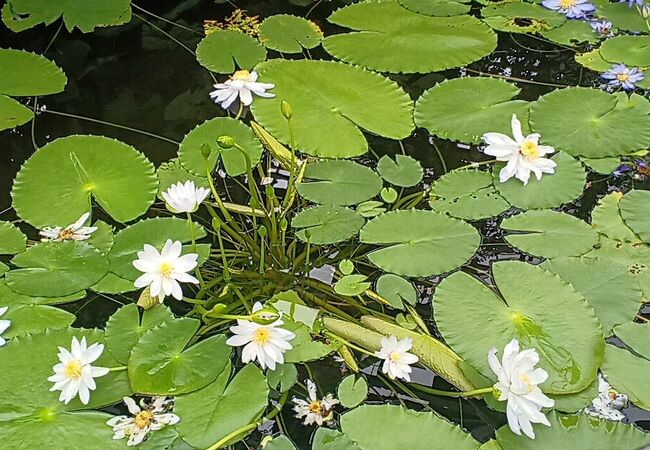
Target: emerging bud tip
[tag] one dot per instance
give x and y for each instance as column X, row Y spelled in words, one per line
column 225, row 141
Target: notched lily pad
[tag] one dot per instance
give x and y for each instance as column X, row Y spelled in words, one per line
column 327, row 224
column 225, row 51
column 289, row 34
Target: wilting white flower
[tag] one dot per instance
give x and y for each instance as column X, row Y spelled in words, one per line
column 75, row 373
column 524, row 154
column 608, row 403
column 242, row 84
column 184, row 197
column 74, row 232
column 517, row 383
column 315, row 411
column 4, row 324
column 397, row 360
column 163, row 271
column 264, row 343
column 147, row 417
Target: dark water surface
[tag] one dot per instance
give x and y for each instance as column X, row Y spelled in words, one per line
column 136, row 76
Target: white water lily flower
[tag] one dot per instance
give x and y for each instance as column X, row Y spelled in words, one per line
column 315, row 411
column 147, row 417
column 74, row 232
column 184, row 197
column 397, row 360
column 608, row 403
column 264, row 343
column 75, row 374
column 523, row 154
column 242, row 84
column 4, row 324
column 518, row 384
column 164, row 270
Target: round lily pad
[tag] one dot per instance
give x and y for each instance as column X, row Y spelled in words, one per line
column 589, row 122
column 404, row 171
column 521, row 17
column 572, row 32
column 351, row 285
column 56, row 269
column 396, row 290
column 13, row 113
column 326, row 224
column 438, row 8
column 563, row 186
column 9, row 297
column 12, row 240
column 630, row 50
column 636, row 213
column 626, row 372
column 424, row 44
column 417, row 243
column 289, row 34
column 621, row 15
column 23, row 73
column 327, row 96
column 220, row 50
column 118, row 177
column 607, row 220
column 338, row 182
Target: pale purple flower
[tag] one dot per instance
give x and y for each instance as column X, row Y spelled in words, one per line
column 622, row 76
column 631, row 3
column 602, row 27
column 572, row 9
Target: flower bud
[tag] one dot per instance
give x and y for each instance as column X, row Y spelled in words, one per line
column 286, row 110
column 496, row 393
column 265, row 316
column 205, row 151
column 225, row 141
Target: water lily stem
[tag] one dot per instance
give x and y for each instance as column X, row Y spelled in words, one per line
column 240, row 110
column 197, row 272
column 474, row 393
column 292, row 168
column 117, row 369
column 475, row 164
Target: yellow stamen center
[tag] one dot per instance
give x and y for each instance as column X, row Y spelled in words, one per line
column 395, row 357
column 66, row 234
column 529, row 149
column 622, row 77
column 241, row 75
column 262, row 336
column 73, row 369
column 565, row 4
column 315, row 407
column 143, row 419
column 166, row 269
column 526, row 380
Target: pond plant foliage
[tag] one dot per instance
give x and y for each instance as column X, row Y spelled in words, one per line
column 229, row 314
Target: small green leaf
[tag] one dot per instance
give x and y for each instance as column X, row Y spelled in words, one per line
column 220, row 50
column 352, row 391
column 351, row 285
column 396, row 290
column 289, row 34
column 13, row 113
column 283, row 377
column 326, row 224
column 404, row 171
column 12, row 240
column 346, row 266
column 23, row 73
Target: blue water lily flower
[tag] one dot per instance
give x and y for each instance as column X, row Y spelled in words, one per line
column 631, row 3
column 573, row 9
column 622, row 76
column 602, row 27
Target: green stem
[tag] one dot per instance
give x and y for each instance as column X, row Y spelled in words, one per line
column 240, row 110
column 474, row 393
column 475, row 164
column 292, row 170
column 117, row 369
column 197, row 272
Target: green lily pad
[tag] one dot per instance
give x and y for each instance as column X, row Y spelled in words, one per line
column 416, row 243
column 438, row 8
column 550, row 234
column 289, row 34
column 627, row 373
column 283, row 378
column 326, row 96
column 12, row 240
column 404, row 171
column 10, row 297
column 220, row 50
column 452, row 110
column 588, row 122
column 113, row 284
column 608, row 287
column 131, row 240
column 636, row 336
column 352, row 391
column 472, row 319
column 416, row 430
column 34, row 319
column 563, row 186
column 630, row 50
column 424, row 44
column 327, row 224
column 305, row 347
column 172, row 172
column 621, row 15
column 593, row 60
column 160, row 365
column 20, row 15
column 572, row 32
column 521, row 17
column 396, row 290
column 351, row 285
column 23, row 73
column 102, row 237
column 338, row 183
column 634, row 210
column 56, row 269
column 607, row 220
column 466, row 194
column 118, row 177
column 233, row 160
column 602, row 165
column 13, row 113
column 328, row 439
column 222, row 407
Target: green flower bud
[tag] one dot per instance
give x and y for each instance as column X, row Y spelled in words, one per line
column 265, row 316
column 286, row 110
column 496, row 393
column 225, row 141
column 205, row 151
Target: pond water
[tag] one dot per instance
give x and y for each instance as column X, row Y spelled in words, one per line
column 141, row 84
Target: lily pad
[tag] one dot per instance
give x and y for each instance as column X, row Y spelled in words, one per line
column 438, row 8
column 550, row 234
column 23, row 73
column 621, row 15
column 12, row 240
column 416, row 243
column 20, row 15
column 326, row 96
column 56, row 269
column 521, row 17
column 424, row 44
column 634, row 210
column 608, row 287
column 118, row 177
column 172, row 172
column 466, row 194
column 627, row 374
column 602, row 165
column 338, row 183
column 636, row 336
column 327, row 224
column 572, row 32
column 233, row 160
column 10, row 297
column 13, row 113
column 588, row 122
column 396, row 290
column 289, row 34
column 160, row 365
column 31, row 319
column 351, row 285
column 352, row 391
column 404, row 171
column 606, row 219
column 452, row 110
column 630, row 50
column 472, row 318
column 564, row 186
column 220, row 50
